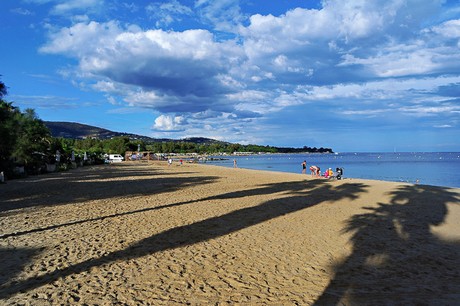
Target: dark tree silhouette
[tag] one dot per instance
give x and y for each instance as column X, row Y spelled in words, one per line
column 396, row 260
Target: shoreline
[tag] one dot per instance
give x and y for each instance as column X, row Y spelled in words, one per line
column 145, row 233
column 399, row 169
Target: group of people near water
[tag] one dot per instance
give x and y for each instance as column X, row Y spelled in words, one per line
column 316, row 171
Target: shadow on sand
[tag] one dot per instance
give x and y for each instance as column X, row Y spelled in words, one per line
column 83, row 184
column 298, row 196
column 92, row 183
column 396, row 260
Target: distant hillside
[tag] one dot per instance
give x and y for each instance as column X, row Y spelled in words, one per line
column 78, row 131
column 74, row 130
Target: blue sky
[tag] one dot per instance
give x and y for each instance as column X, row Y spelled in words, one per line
column 350, row 75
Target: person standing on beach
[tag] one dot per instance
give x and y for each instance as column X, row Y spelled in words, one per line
column 234, row 164
column 304, row 167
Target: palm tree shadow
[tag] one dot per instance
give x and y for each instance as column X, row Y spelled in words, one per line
column 300, row 196
column 13, row 261
column 396, row 259
column 63, row 188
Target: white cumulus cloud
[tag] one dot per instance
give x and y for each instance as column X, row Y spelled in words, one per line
column 168, row 123
column 363, row 53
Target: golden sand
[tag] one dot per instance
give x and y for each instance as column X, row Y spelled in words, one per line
column 140, row 233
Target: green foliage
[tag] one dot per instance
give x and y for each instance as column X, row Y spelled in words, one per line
column 32, row 140
column 24, row 139
column 8, row 130
column 183, row 147
column 8, row 133
column 3, row 90
column 120, row 145
column 116, row 145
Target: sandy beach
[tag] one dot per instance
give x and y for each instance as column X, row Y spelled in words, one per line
column 138, row 233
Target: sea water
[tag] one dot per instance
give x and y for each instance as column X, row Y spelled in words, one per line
column 438, row 169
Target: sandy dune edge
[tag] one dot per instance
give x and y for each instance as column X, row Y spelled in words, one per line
column 149, row 234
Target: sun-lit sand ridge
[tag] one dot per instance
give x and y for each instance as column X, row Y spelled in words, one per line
column 145, row 233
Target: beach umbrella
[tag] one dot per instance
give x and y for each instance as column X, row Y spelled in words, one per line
column 85, row 157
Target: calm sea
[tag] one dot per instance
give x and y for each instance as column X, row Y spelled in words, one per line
column 438, row 169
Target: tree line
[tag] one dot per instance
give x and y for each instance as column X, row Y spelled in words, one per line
column 26, row 142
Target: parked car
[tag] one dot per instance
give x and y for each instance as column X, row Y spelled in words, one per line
column 115, row 158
